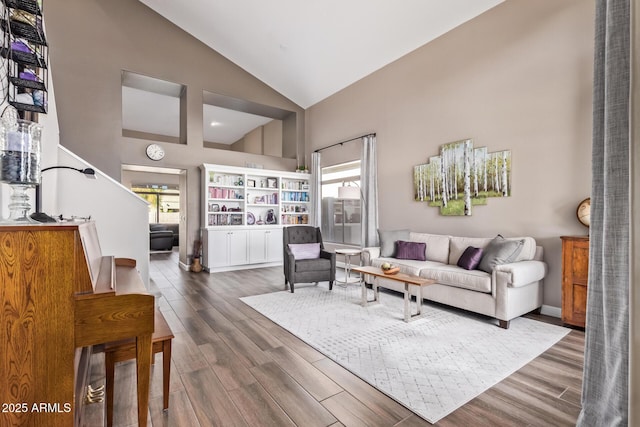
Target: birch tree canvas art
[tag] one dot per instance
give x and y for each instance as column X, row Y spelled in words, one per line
column 461, row 177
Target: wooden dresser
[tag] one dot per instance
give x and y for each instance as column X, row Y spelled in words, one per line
column 575, row 272
column 60, row 296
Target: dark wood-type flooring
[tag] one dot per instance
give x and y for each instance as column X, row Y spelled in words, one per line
column 231, row 366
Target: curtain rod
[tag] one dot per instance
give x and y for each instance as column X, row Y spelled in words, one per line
column 344, row 142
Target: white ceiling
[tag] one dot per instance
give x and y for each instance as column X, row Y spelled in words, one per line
column 310, row 49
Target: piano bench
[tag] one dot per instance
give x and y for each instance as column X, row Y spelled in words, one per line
column 119, row 351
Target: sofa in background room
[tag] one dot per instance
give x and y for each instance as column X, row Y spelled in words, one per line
column 163, row 237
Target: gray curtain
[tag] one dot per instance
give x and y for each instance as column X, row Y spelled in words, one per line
column 369, row 184
column 316, row 190
column 606, row 366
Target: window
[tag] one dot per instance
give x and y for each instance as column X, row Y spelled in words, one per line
column 164, row 202
column 341, row 203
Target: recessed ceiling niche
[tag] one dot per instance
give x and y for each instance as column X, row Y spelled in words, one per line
column 239, row 125
column 152, row 109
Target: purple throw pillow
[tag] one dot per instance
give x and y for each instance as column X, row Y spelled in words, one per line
column 470, row 258
column 411, row 250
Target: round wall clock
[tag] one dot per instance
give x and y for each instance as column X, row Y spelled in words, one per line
column 584, row 212
column 155, row 152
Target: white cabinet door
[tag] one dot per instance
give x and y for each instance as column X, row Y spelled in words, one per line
column 217, row 252
column 273, row 245
column 265, row 245
column 237, row 241
column 225, row 248
column 257, row 248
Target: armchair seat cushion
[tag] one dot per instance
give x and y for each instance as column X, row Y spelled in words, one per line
column 316, row 264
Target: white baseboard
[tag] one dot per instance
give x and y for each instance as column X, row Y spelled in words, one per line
column 242, row 267
column 550, row 310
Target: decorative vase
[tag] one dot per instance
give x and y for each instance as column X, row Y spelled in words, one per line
column 20, row 163
column 196, row 267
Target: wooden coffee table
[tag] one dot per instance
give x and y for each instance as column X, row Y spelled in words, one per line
column 408, row 281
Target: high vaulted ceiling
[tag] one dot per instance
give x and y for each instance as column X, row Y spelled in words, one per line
column 310, row 49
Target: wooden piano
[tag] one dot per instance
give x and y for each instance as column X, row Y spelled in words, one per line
column 59, row 296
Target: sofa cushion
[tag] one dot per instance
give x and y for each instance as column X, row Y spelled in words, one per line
column 175, row 228
column 318, row 264
column 528, row 251
column 157, row 227
column 455, row 276
column 459, row 244
column 411, row 250
column 305, row 250
column 500, row 251
column 407, row 266
column 470, row 258
column 388, row 239
column 437, row 245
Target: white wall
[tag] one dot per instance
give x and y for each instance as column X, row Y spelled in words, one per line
column 121, row 217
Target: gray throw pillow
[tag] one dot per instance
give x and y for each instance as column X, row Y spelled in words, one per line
column 388, row 241
column 499, row 251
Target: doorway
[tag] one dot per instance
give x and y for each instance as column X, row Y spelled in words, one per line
column 163, row 189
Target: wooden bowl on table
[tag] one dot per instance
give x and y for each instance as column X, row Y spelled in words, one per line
column 392, row 270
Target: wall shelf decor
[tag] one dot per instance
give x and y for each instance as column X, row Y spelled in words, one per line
column 462, row 177
column 25, row 56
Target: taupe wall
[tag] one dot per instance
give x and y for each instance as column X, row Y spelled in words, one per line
column 272, row 138
column 250, row 143
column 518, row 77
column 91, row 41
column 266, row 139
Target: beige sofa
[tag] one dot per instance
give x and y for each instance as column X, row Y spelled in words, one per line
column 511, row 290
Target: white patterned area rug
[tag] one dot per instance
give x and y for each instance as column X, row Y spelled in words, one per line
column 432, row 365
